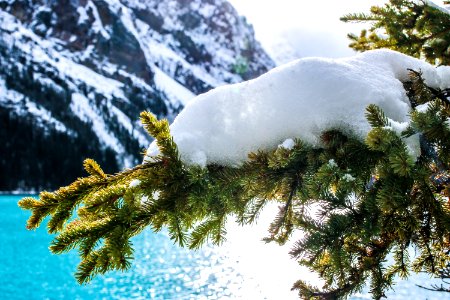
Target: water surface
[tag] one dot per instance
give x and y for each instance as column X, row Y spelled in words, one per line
column 244, row 268
column 160, row 270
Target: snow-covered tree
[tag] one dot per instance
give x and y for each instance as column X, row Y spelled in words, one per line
column 364, row 142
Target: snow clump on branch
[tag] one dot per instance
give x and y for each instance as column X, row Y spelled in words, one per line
column 298, row 100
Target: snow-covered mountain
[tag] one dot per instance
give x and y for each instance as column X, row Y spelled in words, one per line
column 74, row 75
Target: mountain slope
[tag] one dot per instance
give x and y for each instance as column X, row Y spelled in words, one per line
column 74, row 76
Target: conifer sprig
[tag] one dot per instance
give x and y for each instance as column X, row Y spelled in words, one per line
column 411, row 27
column 370, row 199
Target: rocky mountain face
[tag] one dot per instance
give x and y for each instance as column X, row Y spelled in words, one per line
column 75, row 74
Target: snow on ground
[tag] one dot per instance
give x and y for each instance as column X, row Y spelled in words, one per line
column 43, row 52
column 125, row 121
column 173, row 89
column 98, row 26
column 439, row 5
column 157, row 51
column 22, row 106
column 298, row 100
column 81, row 107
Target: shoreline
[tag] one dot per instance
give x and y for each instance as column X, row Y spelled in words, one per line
column 18, row 193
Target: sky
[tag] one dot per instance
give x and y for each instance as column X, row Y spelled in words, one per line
column 290, row 29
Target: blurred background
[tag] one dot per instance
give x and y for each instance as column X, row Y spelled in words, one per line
column 74, row 75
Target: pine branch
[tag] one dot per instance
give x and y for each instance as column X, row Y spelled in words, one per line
column 376, row 116
column 282, row 226
column 373, row 198
column 359, row 18
column 412, row 27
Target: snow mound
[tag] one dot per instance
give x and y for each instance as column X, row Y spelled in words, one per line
column 298, row 100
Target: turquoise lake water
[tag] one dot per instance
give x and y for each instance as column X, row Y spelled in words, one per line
column 160, row 270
